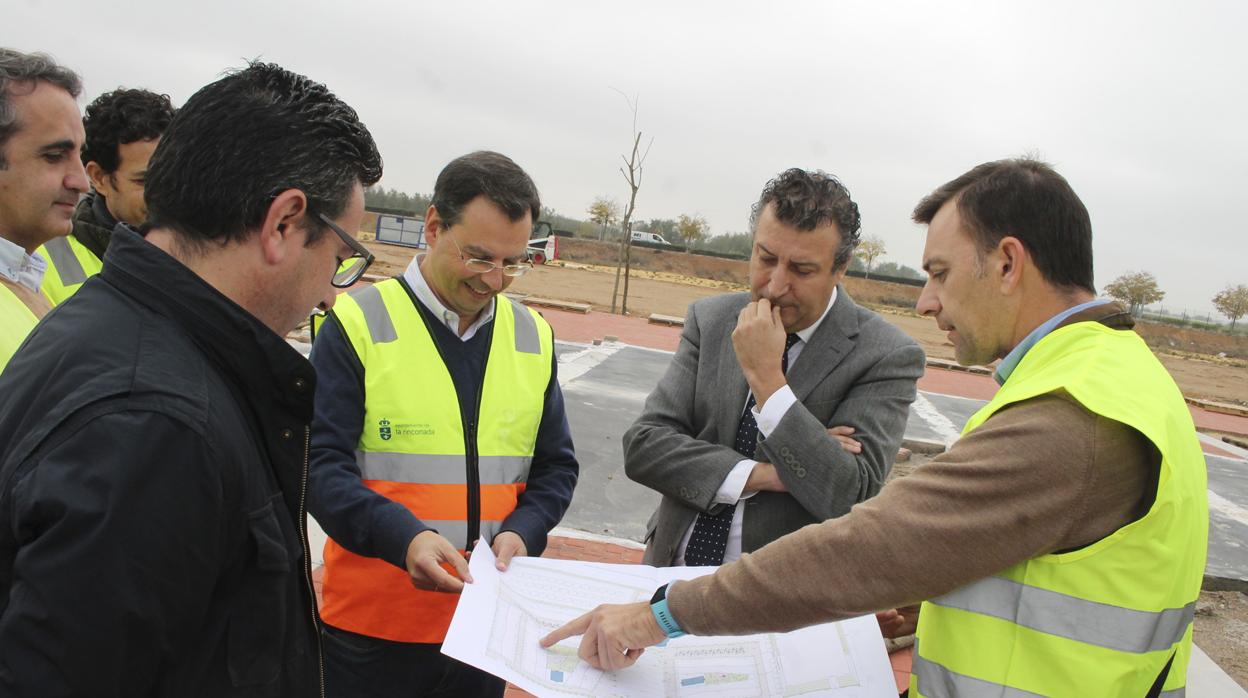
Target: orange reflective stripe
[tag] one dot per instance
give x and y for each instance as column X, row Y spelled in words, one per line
column 425, row 615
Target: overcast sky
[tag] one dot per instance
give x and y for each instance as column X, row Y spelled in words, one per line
column 1143, row 106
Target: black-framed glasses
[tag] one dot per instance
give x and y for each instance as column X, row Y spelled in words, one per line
column 485, row 266
column 352, row 268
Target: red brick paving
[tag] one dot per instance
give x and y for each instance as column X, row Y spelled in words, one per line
column 586, row 327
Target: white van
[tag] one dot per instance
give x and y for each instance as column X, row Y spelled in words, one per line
column 655, row 238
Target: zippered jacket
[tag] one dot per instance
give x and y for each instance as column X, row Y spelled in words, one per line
column 153, row 461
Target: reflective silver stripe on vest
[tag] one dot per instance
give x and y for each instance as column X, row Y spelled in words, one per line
column 457, row 531
column 66, row 262
column 935, row 681
column 527, row 341
column 441, row 469
column 1179, row 692
column 380, row 326
column 1090, row 622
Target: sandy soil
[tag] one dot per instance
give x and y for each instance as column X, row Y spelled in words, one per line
column 1222, row 631
column 657, row 286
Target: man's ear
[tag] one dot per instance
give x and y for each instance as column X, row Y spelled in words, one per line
column 1012, row 257
column 280, row 231
column 99, row 178
column 433, row 225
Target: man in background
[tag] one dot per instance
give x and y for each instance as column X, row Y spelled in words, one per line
column 122, row 128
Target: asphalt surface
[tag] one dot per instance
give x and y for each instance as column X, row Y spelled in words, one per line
column 605, row 387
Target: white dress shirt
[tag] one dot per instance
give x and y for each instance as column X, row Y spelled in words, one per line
column 19, row 267
column 415, row 278
column 770, row 414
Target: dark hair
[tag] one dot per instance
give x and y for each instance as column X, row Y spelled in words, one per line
column 1027, row 199
column 244, row 139
column 27, row 69
column 807, row 200
column 120, row 117
column 485, row 173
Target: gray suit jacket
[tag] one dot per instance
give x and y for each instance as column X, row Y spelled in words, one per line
column 857, row 370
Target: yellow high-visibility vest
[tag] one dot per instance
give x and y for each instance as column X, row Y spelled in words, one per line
column 70, row 264
column 417, row 448
column 1105, row 619
column 16, row 321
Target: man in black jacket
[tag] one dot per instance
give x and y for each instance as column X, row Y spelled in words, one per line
column 152, row 489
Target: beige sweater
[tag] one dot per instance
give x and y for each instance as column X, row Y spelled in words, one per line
column 1040, row 476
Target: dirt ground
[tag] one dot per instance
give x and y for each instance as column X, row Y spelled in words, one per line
column 658, row 285
column 1222, row 631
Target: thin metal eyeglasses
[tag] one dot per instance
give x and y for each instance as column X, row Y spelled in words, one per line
column 485, row 266
column 352, row 268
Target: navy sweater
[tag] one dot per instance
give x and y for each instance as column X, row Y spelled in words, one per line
column 371, row 525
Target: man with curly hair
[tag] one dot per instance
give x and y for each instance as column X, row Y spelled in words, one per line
column 782, row 407
column 123, row 128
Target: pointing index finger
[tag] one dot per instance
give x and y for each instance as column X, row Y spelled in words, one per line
column 574, row 627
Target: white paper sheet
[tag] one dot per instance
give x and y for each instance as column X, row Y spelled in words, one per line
column 501, row 617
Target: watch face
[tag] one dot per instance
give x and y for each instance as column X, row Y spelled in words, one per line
column 659, row 594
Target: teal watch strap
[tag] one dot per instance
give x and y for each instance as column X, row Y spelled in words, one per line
column 663, row 616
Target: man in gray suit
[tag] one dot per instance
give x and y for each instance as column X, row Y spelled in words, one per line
column 782, row 407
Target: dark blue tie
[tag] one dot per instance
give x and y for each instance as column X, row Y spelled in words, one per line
column 710, row 532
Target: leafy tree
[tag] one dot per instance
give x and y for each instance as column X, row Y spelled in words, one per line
column 869, row 250
column 900, row 271
column 1136, row 290
column 691, row 229
column 604, row 211
column 380, row 197
column 1232, row 302
column 663, row 226
column 730, row 243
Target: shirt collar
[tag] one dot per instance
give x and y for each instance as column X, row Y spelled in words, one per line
column 415, row 279
column 19, row 267
column 1012, row 359
column 809, row 332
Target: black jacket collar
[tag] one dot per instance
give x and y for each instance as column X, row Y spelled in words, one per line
column 269, row 371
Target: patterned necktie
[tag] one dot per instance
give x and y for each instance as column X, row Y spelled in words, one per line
column 710, row 532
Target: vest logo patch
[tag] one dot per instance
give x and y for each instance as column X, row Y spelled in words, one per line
column 388, row 430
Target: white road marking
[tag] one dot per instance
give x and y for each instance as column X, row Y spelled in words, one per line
column 1227, row 508
column 573, row 365
column 944, row 428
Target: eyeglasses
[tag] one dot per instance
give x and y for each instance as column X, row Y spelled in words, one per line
column 485, row 266
column 352, row 268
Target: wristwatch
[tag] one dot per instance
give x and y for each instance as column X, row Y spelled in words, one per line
column 658, row 606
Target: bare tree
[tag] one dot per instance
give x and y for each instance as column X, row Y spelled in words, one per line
column 869, row 250
column 691, row 229
column 632, row 174
column 1136, row 289
column 1232, row 302
column 604, row 211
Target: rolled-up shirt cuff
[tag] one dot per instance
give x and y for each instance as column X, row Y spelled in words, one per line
column 772, row 411
column 730, row 489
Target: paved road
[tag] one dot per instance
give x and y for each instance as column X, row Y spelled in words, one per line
column 605, row 387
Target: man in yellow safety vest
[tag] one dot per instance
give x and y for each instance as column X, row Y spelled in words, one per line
column 1058, row 547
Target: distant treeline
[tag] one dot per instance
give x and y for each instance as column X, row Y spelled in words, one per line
column 726, row 244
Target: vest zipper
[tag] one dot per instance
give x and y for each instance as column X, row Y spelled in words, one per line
column 474, row 465
column 307, row 558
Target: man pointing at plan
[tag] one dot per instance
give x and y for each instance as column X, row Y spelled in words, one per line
column 1058, row 547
